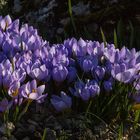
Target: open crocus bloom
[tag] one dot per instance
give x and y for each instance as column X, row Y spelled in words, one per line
column 122, row 74
column 32, row 92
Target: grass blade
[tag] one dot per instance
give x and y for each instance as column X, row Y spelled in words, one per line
column 103, row 37
column 71, row 16
column 44, row 134
column 120, row 132
column 115, row 39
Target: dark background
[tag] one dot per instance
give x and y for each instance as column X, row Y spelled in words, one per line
column 54, row 22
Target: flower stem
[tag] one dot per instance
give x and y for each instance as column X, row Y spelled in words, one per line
column 88, row 108
column 24, row 110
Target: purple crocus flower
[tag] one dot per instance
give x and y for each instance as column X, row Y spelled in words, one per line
column 14, row 89
column 98, row 49
column 108, row 85
column 78, row 86
column 85, row 90
column 38, row 71
column 79, row 47
column 32, row 92
column 112, row 54
column 5, row 105
column 60, row 60
column 19, row 75
column 98, row 72
column 62, row 102
column 15, row 92
column 59, row 73
column 89, row 62
column 122, row 74
column 71, row 74
column 93, row 87
column 5, row 22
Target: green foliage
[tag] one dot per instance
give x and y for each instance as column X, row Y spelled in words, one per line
column 44, row 134
column 103, row 37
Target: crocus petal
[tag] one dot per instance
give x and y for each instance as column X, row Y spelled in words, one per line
column 125, row 76
column 40, row 89
column 33, row 96
column 66, row 99
column 33, row 85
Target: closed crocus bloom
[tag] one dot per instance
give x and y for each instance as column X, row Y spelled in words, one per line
column 19, row 75
column 32, row 92
column 5, row 22
column 132, row 63
column 117, row 56
column 89, row 62
column 61, row 102
column 107, row 85
column 59, row 73
column 6, row 47
column 85, row 93
column 71, row 74
column 93, row 88
column 109, row 53
column 123, row 52
column 68, row 43
column 40, row 73
column 85, row 90
column 60, row 60
column 79, row 48
column 7, row 80
column 8, row 20
column 5, row 105
column 87, row 65
column 14, row 27
column 81, row 90
column 98, row 72
column 112, row 54
column 98, row 49
column 78, row 87
column 90, row 47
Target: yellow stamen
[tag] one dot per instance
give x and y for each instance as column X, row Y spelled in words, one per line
column 15, row 93
column 34, row 90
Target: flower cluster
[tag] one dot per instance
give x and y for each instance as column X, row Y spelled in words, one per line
column 80, row 68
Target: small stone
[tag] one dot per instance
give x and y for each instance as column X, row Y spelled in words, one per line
column 81, row 9
column 65, row 21
column 17, row 6
column 60, row 30
column 10, row 126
